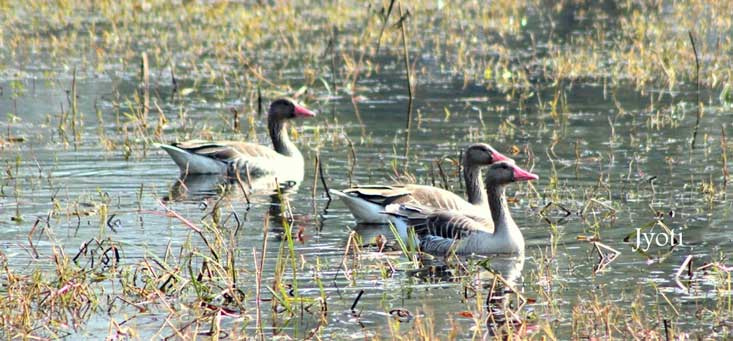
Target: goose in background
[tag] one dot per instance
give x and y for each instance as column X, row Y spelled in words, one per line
column 442, row 231
column 284, row 161
column 367, row 203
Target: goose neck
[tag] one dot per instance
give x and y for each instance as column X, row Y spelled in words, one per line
column 281, row 142
column 475, row 191
column 500, row 214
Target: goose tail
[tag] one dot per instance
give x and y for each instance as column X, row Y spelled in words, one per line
column 363, row 210
column 191, row 163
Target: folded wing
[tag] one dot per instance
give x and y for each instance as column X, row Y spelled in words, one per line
column 228, row 151
column 440, row 223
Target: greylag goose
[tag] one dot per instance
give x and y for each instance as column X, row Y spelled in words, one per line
column 367, row 203
column 283, row 161
column 443, row 231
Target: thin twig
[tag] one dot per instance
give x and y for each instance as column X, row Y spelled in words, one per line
column 439, row 163
column 332, row 44
column 241, row 186
column 258, row 269
column 697, row 82
column 352, row 161
column 323, row 179
column 316, row 165
column 680, row 270
column 724, row 147
column 356, row 300
column 408, row 69
column 74, row 110
column 145, row 80
column 385, row 18
column 259, row 100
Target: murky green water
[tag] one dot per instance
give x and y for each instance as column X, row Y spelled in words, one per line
column 606, row 146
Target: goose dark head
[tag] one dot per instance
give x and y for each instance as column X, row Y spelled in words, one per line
column 285, row 109
column 483, row 154
column 505, row 172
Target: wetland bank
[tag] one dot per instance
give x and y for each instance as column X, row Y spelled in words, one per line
column 621, row 108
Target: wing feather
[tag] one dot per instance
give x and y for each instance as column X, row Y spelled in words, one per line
column 228, row 151
column 411, row 194
column 440, row 222
column 380, row 195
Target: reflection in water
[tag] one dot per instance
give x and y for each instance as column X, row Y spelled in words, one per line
column 498, row 275
column 196, row 187
column 381, row 237
column 376, row 235
column 203, row 188
column 280, row 216
column 504, row 300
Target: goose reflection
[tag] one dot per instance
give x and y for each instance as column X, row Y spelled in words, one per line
column 197, row 187
column 381, row 237
column 281, row 215
column 498, row 277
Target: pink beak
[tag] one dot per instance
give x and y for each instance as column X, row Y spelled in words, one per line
column 523, row 175
column 499, row 157
column 303, row 112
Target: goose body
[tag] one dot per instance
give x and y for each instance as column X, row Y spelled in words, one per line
column 443, row 231
column 367, row 203
column 284, row 161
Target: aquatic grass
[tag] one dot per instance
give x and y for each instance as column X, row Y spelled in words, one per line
column 408, row 248
column 724, row 158
column 67, row 296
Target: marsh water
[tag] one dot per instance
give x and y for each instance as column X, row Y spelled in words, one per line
column 616, row 158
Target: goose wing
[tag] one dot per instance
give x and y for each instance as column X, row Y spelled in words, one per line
column 441, row 223
column 380, row 195
column 410, row 194
column 435, row 197
column 227, row 151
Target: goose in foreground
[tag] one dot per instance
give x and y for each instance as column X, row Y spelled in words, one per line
column 367, row 203
column 443, row 231
column 283, row 161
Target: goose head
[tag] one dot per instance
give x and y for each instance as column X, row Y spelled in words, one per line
column 286, row 109
column 505, row 172
column 483, row 154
